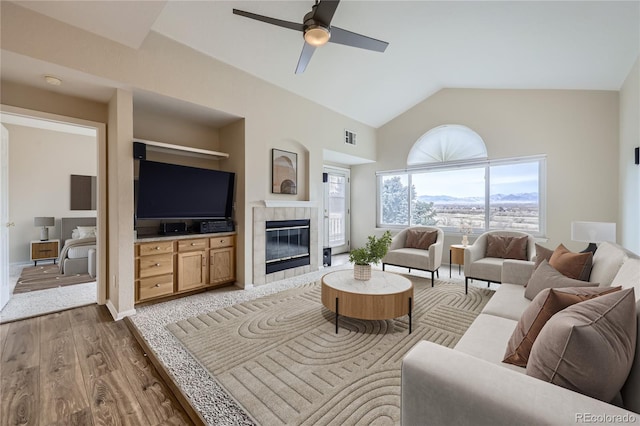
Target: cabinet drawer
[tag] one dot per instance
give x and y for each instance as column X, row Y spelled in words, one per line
column 221, row 242
column 158, row 264
column 160, row 247
column 149, row 288
column 195, row 244
column 44, row 250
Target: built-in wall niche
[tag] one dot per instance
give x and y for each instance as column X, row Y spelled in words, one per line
column 83, row 190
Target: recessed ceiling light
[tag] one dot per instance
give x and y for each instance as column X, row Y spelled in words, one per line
column 54, row 81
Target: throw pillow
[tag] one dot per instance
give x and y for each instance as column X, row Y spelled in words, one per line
column 588, row 347
column 548, row 277
column 542, row 253
column 517, row 248
column 546, row 304
column 495, row 246
column 420, row 239
column 86, row 231
column 506, row 247
column 573, row 265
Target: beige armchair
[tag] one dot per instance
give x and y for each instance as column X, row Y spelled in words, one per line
column 478, row 266
column 414, row 258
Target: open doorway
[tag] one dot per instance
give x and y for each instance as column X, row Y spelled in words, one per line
column 44, row 152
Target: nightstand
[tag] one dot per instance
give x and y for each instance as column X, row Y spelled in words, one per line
column 45, row 250
column 456, row 255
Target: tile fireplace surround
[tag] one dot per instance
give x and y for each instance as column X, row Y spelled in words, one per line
column 287, row 212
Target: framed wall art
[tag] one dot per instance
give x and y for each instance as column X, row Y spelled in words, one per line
column 83, row 192
column 284, row 172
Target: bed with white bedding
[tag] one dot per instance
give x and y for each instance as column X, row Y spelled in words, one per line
column 79, row 251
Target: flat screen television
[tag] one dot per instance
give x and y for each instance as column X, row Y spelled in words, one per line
column 171, row 191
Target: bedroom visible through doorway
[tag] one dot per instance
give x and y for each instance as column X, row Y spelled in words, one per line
column 44, row 152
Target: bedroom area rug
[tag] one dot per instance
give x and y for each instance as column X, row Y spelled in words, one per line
column 44, row 277
column 279, row 357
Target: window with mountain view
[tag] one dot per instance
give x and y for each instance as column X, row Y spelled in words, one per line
column 505, row 194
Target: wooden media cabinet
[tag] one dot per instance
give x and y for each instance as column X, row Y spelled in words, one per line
column 173, row 265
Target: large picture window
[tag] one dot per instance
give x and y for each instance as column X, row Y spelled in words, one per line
column 483, row 195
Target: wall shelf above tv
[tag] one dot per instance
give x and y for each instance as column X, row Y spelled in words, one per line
column 181, row 150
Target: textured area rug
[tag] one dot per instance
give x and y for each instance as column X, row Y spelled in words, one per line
column 44, row 277
column 280, row 358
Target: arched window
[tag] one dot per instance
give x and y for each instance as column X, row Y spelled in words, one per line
column 450, row 142
column 450, row 182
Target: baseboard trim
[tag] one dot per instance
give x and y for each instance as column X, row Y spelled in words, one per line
column 182, row 399
column 117, row 316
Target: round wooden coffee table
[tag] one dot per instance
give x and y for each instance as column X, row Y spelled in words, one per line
column 385, row 296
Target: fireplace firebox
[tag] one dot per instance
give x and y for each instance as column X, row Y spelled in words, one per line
column 287, row 244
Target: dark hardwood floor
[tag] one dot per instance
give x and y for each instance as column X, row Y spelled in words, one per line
column 79, row 367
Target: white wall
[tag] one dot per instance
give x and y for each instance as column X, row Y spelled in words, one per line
column 577, row 130
column 120, row 209
column 273, row 118
column 629, row 172
column 40, row 165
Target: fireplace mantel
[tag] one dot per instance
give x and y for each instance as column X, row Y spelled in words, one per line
column 288, row 203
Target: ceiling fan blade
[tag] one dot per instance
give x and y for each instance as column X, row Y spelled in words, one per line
column 273, row 21
column 305, row 57
column 340, row 36
column 325, row 10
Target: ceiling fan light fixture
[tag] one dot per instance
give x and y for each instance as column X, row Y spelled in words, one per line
column 316, row 35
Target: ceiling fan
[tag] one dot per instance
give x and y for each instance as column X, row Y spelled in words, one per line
column 317, row 31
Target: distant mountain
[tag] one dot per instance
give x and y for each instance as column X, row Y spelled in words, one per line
column 526, row 197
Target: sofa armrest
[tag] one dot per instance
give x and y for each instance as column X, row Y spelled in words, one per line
column 445, row 386
column 435, row 255
column 475, row 251
column 517, row 271
column 398, row 240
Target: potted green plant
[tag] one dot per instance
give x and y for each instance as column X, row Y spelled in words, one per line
column 372, row 252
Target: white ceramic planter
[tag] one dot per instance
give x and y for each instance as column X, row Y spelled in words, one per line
column 362, row 272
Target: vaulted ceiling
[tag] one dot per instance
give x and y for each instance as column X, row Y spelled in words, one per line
column 432, row 45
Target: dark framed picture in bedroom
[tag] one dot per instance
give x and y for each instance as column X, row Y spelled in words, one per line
column 83, row 192
column 284, row 172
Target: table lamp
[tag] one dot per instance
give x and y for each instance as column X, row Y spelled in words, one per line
column 592, row 233
column 44, row 222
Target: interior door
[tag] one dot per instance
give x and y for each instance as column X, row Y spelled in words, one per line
column 5, row 290
column 337, row 209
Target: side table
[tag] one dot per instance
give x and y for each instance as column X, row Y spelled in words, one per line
column 456, row 255
column 45, row 250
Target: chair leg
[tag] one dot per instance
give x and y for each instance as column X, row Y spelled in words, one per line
column 488, row 284
column 409, row 270
column 438, row 273
column 431, row 278
column 466, row 285
column 383, row 267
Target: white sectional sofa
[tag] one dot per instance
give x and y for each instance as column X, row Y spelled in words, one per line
column 470, row 385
